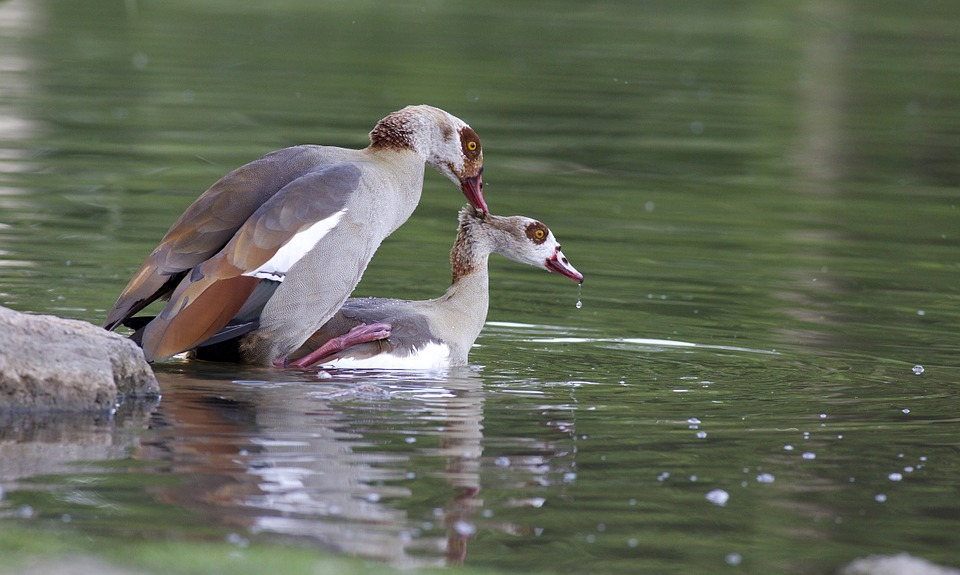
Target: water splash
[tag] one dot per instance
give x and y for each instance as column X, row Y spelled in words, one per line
column 579, row 293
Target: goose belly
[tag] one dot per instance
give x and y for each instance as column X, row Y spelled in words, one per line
column 431, row 356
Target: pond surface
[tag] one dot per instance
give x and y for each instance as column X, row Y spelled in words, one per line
column 763, row 198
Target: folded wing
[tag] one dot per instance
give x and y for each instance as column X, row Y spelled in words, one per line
column 281, row 231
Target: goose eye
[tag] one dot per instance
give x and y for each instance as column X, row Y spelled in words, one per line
column 469, row 142
column 537, row 233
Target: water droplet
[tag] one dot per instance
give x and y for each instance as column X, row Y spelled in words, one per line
column 718, row 497
column 464, row 529
column 140, row 60
column 809, row 455
column 765, row 478
column 733, row 559
column 880, row 498
column 579, row 293
column 895, row 477
column 701, row 435
column 917, row 369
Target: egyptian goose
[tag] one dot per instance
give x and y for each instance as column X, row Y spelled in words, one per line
column 275, row 247
column 393, row 333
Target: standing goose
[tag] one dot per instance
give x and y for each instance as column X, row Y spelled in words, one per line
column 393, row 333
column 276, row 246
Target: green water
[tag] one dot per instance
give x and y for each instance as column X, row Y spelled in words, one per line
column 762, row 197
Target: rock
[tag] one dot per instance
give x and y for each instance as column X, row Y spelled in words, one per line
column 51, row 363
column 902, row 564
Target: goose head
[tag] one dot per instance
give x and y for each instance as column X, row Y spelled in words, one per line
column 522, row 239
column 446, row 143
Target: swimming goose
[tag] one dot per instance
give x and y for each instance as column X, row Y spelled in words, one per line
column 393, row 333
column 275, row 247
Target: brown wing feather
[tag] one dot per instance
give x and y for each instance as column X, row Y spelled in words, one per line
column 211, row 294
column 208, row 224
column 215, row 305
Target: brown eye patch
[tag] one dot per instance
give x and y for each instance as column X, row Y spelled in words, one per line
column 537, row 233
column 470, row 142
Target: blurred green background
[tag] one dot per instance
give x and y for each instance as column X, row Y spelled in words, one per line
column 748, row 177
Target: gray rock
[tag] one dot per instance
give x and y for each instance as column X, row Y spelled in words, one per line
column 51, row 363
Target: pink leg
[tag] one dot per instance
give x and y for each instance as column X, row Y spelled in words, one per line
column 363, row 333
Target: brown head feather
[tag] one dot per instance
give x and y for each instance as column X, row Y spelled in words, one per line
column 392, row 132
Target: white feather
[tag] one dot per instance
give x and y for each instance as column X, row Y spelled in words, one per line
column 431, row 356
column 297, row 247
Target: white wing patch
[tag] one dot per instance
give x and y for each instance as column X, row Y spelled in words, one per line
column 297, row 247
column 431, row 356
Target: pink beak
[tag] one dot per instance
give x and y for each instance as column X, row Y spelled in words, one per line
column 560, row 264
column 472, row 188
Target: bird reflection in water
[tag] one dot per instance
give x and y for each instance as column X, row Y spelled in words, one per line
column 324, row 463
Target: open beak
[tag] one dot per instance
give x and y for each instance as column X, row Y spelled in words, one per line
column 560, row 264
column 472, row 188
